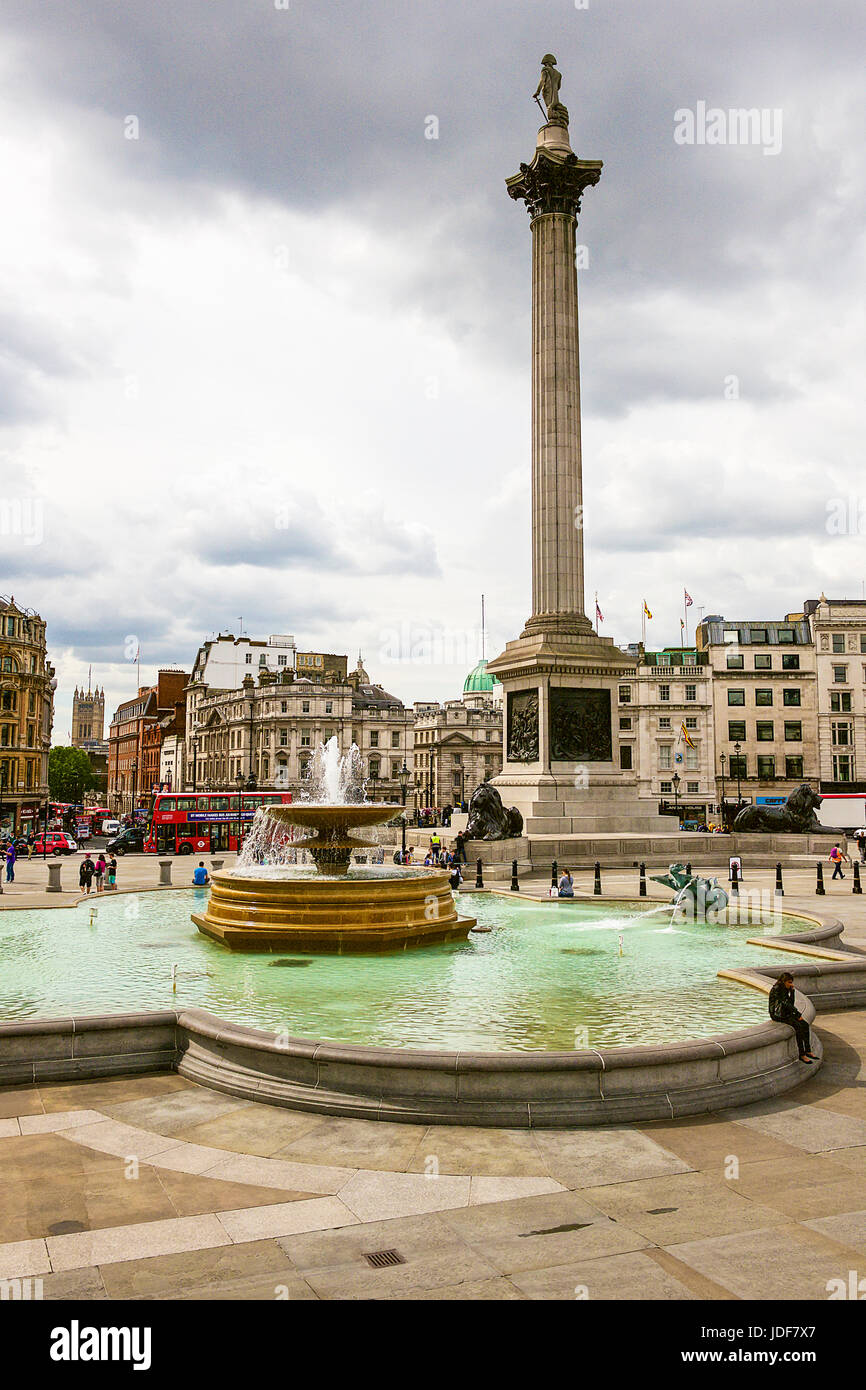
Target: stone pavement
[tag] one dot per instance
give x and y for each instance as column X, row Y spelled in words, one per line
column 152, row 1187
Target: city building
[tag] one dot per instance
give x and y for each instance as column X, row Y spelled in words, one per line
column 765, row 702
column 88, row 719
column 323, row 667
column 27, row 686
column 269, row 730
column 838, row 629
column 135, row 739
column 222, row 662
column 666, row 730
column 458, row 744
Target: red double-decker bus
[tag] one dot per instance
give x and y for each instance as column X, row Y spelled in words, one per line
column 204, row 822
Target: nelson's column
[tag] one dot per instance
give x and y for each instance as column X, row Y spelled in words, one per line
column 562, row 763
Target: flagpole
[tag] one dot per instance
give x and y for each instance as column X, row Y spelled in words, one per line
column 685, row 620
column 596, row 612
column 643, row 624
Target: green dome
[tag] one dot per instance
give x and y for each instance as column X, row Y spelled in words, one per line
column 479, row 679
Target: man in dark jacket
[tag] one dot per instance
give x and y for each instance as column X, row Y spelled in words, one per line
column 784, row 1010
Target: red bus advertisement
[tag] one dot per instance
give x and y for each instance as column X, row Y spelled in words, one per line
column 204, row 822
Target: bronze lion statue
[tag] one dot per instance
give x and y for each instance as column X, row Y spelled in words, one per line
column 797, row 816
column 488, row 818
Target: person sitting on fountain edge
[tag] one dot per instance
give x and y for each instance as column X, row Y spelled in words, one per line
column 566, row 885
column 784, row 1010
column 200, row 878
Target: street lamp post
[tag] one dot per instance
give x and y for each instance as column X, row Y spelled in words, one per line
column 404, row 787
column 676, row 783
column 737, row 747
column 193, row 738
column 723, row 760
column 239, row 783
column 134, row 789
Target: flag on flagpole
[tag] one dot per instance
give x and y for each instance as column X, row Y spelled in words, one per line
column 647, row 613
column 685, row 733
column 688, row 598
column 682, row 623
column 599, row 616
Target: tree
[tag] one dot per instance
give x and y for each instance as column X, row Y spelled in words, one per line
column 70, row 774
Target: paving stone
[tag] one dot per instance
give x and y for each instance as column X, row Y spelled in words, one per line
column 285, row 1218
column 629, row 1276
column 766, row 1264
column 20, row 1258
column 19, row 1100
column 670, row 1209
column 129, row 1242
column 587, row 1158
column 181, row 1275
column 377, row 1196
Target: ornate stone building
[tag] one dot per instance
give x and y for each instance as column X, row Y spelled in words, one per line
column 458, row 745
column 270, row 730
column 839, row 631
column 665, row 717
column 27, row 685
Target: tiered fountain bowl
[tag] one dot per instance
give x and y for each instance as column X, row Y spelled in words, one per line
column 336, row 907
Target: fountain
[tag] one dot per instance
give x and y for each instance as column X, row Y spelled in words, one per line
column 270, row 902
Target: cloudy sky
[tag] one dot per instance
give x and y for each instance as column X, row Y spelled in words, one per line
column 264, row 344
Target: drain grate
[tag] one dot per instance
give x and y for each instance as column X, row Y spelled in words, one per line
column 384, row 1259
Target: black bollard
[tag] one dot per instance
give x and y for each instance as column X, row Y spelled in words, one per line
column 641, row 892
column 689, row 870
column 596, row 887
column 515, row 886
column 554, row 875
column 819, row 887
column 479, row 877
column 857, row 888
column 735, row 881
column 780, row 891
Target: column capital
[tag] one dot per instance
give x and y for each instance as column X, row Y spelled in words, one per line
column 553, row 182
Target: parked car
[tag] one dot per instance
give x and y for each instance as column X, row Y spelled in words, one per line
column 58, row 842
column 129, row 841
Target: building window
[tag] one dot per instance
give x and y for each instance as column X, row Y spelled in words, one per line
column 624, row 723
column 281, row 660
column 329, row 707
column 785, row 634
column 838, row 641
column 691, row 693
column 840, row 675
column 625, row 756
column 625, row 694
column 763, row 697
column 665, row 752
column 663, row 659
column 790, row 661
column 843, row 767
column 693, row 787
column 374, row 767
column 794, row 767
column 664, row 693
column 736, row 661
column 374, row 738
column 666, row 786
column 763, row 661
column 249, row 658
column 840, row 702
column 736, row 730
column 737, row 765
column 691, row 758
column 863, row 641
column 664, row 721
column 284, row 738
column 791, row 696
column 758, row 634
column 736, row 697
column 284, row 706
column 732, row 634
column 793, row 731
column 395, row 738
column 305, row 741
column 305, row 707
column 841, row 734
column 766, row 769
column 691, row 722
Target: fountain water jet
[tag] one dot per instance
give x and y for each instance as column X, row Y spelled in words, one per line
column 331, row 907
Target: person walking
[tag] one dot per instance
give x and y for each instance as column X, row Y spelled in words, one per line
column 99, row 870
column 10, row 862
column 783, row 1009
column 861, row 845
column 836, row 858
column 435, row 846
column 85, row 873
column 31, row 841
column 111, row 873
column 460, row 844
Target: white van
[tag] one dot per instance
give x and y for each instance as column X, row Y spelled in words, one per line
column 110, row 827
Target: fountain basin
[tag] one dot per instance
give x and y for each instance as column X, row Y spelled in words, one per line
column 249, row 912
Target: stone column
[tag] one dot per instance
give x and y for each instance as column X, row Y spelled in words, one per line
column 552, row 187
